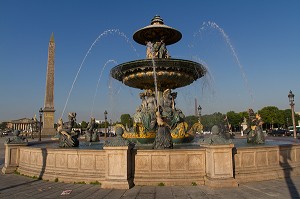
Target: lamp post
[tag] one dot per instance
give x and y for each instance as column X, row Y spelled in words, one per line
column 291, row 99
column 40, row 130
column 32, row 127
column 199, row 113
column 110, row 126
column 105, row 119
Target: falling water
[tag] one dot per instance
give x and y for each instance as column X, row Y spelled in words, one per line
column 226, row 38
column 149, row 45
column 206, row 83
column 100, row 76
column 207, row 79
column 112, row 31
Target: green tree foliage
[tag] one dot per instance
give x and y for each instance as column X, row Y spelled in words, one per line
column 3, row 125
column 234, row 120
column 208, row 121
column 126, row 119
column 272, row 117
column 269, row 114
column 191, row 120
column 84, row 124
column 243, row 115
column 287, row 116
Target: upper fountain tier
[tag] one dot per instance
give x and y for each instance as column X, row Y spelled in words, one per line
column 170, row 73
column 156, row 31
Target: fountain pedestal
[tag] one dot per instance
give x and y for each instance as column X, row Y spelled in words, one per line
column 118, row 171
column 12, row 157
column 219, row 166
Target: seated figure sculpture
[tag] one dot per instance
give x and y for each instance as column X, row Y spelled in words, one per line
column 145, row 118
column 67, row 137
column 156, row 49
column 145, row 114
column 217, row 137
column 254, row 130
column 163, row 138
column 173, row 116
column 91, row 134
column 16, row 139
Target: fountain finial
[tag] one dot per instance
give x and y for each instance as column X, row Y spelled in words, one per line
column 157, row 20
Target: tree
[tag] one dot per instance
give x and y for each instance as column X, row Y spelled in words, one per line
column 288, row 117
column 234, row 119
column 84, row 124
column 243, row 115
column 3, row 125
column 126, row 119
column 208, row 121
column 271, row 116
column 191, row 120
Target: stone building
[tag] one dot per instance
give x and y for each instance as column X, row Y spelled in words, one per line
column 24, row 125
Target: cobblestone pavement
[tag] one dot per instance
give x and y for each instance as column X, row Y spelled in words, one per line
column 19, row 187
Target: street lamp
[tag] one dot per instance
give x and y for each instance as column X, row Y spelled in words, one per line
column 109, row 126
column 199, row 113
column 40, row 132
column 105, row 119
column 291, row 99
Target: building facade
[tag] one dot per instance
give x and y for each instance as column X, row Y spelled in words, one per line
column 24, row 125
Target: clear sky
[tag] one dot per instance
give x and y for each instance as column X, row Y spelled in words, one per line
column 251, row 50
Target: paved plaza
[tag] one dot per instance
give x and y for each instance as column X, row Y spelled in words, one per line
column 17, row 186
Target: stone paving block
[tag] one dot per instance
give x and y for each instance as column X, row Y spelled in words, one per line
column 178, row 191
column 132, row 193
column 47, row 189
column 145, row 196
column 86, row 191
column 56, row 192
column 115, row 194
column 101, row 193
column 163, row 192
column 147, row 189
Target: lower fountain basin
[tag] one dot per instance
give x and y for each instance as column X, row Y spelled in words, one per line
column 250, row 163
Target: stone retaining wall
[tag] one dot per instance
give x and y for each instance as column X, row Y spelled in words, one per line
column 171, row 167
column 122, row 167
column 266, row 162
column 67, row 165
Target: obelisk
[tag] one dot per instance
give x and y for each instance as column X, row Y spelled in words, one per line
column 48, row 112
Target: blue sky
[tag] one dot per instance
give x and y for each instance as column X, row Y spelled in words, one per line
column 255, row 67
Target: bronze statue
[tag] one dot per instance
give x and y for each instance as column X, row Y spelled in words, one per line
column 217, row 137
column 91, row 134
column 254, row 130
column 16, row 139
column 163, row 138
column 67, row 137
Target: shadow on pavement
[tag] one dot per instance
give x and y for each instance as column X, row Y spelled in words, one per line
column 286, row 154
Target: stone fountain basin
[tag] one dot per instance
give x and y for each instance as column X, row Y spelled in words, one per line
column 178, row 166
column 139, row 73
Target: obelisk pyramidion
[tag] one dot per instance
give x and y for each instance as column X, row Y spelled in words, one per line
column 48, row 119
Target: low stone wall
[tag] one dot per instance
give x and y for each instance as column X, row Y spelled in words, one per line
column 170, row 167
column 67, row 165
column 121, row 166
column 266, row 162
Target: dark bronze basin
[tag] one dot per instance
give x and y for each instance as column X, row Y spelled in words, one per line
column 170, row 73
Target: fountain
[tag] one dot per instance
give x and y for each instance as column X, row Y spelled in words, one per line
column 157, row 75
column 215, row 162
